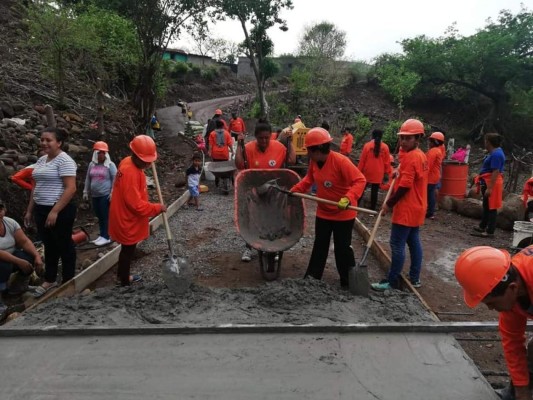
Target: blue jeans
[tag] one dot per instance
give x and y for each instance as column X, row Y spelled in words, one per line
column 399, row 236
column 101, row 209
column 431, row 199
column 7, row 268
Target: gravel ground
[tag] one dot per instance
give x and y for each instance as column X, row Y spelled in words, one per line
column 205, row 238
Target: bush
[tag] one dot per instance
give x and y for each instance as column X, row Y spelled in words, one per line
column 390, row 134
column 180, row 69
column 255, row 110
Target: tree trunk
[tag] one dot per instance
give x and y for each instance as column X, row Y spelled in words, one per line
column 265, row 109
column 144, row 97
column 50, row 119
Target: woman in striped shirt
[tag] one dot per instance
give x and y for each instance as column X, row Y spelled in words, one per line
column 51, row 206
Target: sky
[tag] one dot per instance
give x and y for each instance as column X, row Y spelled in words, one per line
column 374, row 27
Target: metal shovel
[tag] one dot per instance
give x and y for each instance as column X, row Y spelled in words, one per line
column 358, row 282
column 176, row 271
column 273, row 184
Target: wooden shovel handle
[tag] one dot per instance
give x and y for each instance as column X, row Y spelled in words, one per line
column 160, row 196
column 378, row 219
column 333, row 203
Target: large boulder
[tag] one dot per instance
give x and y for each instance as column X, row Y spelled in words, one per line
column 513, row 210
column 7, row 109
column 447, row 203
column 473, row 193
column 470, row 208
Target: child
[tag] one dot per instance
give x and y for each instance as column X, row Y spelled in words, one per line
column 193, row 181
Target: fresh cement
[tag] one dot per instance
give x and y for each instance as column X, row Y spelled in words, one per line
column 201, row 237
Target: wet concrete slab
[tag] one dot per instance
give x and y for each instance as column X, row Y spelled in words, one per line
column 247, row 366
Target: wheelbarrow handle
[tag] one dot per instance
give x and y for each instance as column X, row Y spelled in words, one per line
column 330, row 202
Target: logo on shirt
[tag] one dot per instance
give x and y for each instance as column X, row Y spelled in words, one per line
column 272, row 163
column 328, row 184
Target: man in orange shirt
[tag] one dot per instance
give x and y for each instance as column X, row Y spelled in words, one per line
column 220, row 146
column 435, row 157
column 490, row 276
column 374, row 163
column 337, row 179
column 262, row 153
column 130, row 210
column 346, row 143
column 408, row 203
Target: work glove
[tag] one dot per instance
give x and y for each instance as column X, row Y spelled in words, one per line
column 85, row 196
column 343, row 203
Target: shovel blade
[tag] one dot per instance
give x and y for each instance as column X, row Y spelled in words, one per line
column 176, row 274
column 358, row 282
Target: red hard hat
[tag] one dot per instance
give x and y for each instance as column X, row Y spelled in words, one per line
column 101, row 146
column 478, row 270
column 144, row 147
column 411, row 127
column 437, row 136
column 218, row 111
column 316, row 137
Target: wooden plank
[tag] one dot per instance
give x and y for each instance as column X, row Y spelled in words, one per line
column 385, row 261
column 149, row 329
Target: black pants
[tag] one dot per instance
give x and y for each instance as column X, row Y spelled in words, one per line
column 488, row 220
column 374, row 190
column 57, row 241
column 124, row 263
column 342, row 239
column 7, row 268
column 529, row 209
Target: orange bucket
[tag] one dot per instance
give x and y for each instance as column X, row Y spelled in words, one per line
column 79, row 235
column 454, row 180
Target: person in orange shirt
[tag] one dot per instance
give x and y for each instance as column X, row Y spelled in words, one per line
column 263, row 153
column 526, row 193
column 408, row 203
column 337, row 179
column 220, row 145
column 490, row 276
column 374, row 164
column 435, row 157
column 130, row 209
column 346, row 143
column 24, row 178
column 236, row 126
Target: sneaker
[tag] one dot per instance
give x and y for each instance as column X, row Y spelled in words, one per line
column 102, row 241
column 246, row 255
column 416, row 284
column 97, row 239
column 478, row 229
column 381, row 286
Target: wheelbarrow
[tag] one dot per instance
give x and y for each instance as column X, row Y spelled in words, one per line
column 223, row 171
column 270, row 223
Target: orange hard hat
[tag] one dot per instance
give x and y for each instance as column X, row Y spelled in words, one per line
column 101, row 146
column 316, row 137
column 144, row 147
column 218, row 111
column 478, row 270
column 437, row 136
column 411, row 127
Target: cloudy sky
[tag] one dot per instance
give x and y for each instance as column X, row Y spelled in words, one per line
column 375, row 26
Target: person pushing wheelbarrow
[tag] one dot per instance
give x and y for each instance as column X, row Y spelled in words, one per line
column 339, row 180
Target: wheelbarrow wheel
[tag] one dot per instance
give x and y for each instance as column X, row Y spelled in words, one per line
column 270, row 265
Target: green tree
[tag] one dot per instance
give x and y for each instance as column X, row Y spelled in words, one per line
column 261, row 15
column 323, row 40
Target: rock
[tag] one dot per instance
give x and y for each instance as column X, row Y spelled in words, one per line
column 86, row 292
column 473, row 194
column 7, row 109
column 3, row 171
column 72, row 117
column 39, row 128
column 86, row 263
column 447, row 203
column 74, row 149
column 181, row 179
column 6, row 159
column 19, row 108
column 75, row 130
column 470, row 208
column 513, row 210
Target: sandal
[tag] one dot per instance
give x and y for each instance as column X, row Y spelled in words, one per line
column 133, row 279
column 40, row 291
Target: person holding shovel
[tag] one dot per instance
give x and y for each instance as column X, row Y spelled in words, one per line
column 435, row 158
column 130, row 209
column 490, row 276
column 408, row 203
column 339, row 180
column 262, row 153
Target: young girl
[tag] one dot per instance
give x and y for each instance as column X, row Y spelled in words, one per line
column 193, row 181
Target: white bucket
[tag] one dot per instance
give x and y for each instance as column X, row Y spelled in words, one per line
column 208, row 175
column 522, row 230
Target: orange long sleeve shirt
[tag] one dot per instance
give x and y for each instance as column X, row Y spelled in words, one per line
column 337, row 178
column 24, row 178
column 130, row 210
column 410, row 210
column 346, row 144
column 220, row 153
column 374, row 168
column 527, row 191
column 434, row 156
column 513, row 323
